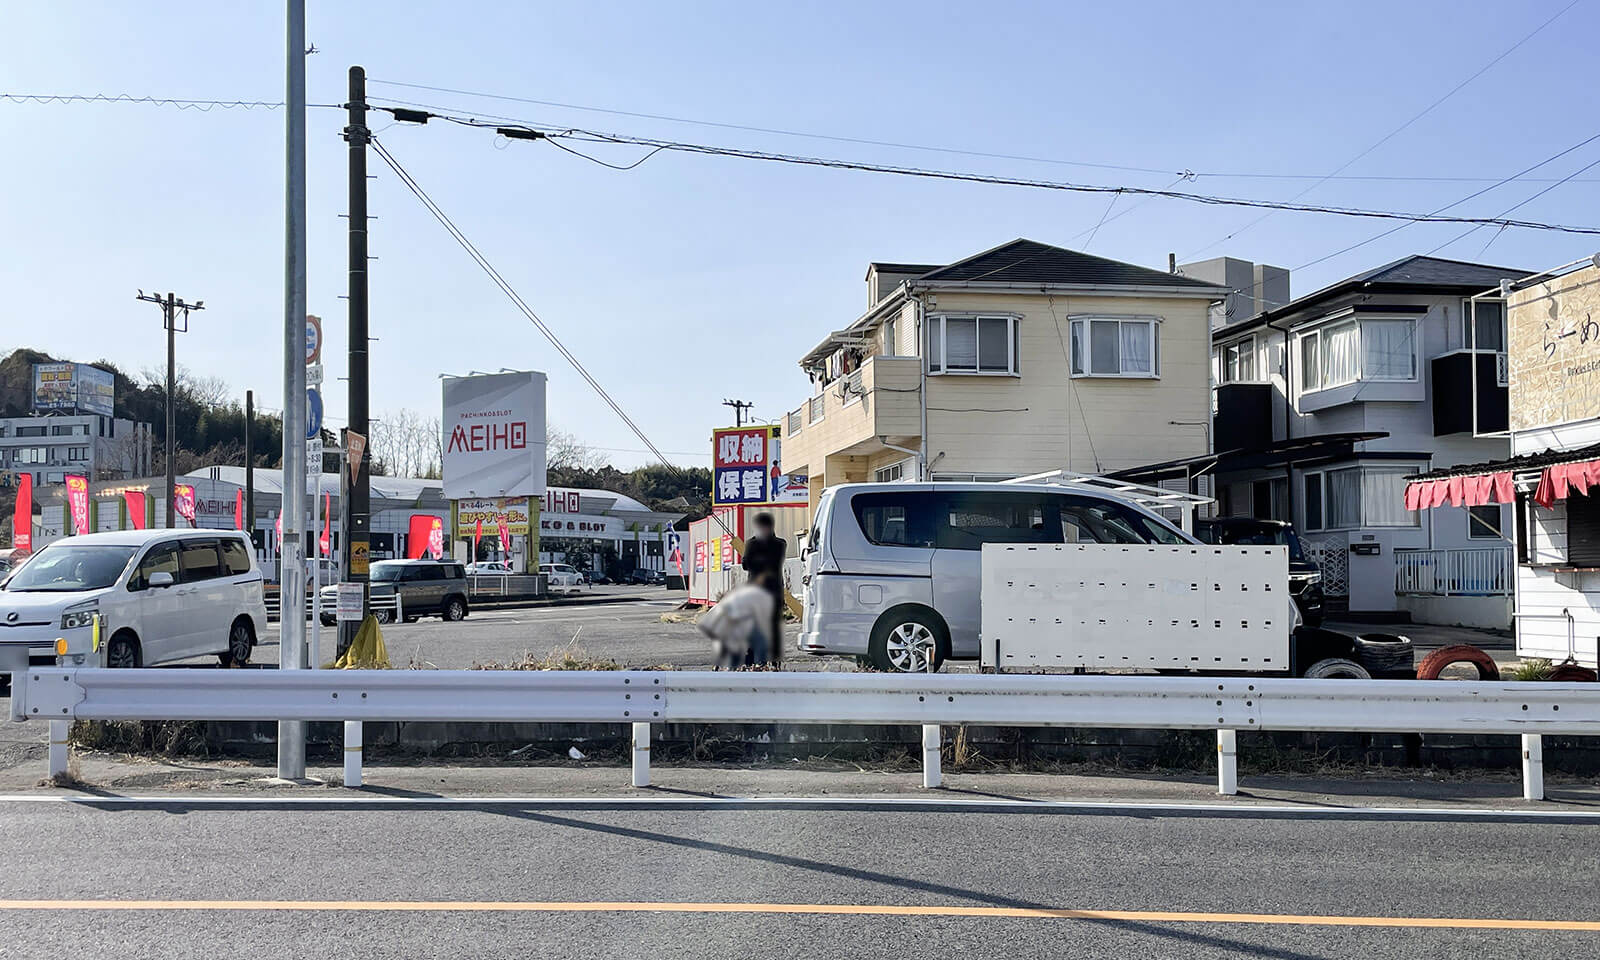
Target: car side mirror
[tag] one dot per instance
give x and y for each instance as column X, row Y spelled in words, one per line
column 161, row 578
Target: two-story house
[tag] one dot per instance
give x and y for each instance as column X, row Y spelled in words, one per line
column 1018, row 360
column 1324, row 404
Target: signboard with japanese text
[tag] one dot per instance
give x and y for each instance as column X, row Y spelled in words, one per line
column 600, row 528
column 747, row 468
column 73, row 386
column 494, row 435
column 78, row 501
column 469, row 513
column 700, row 556
column 716, row 554
column 1553, row 351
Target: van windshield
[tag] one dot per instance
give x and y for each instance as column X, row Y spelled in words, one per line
column 65, row 568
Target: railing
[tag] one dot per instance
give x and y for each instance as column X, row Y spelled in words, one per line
column 1224, row 704
column 380, row 605
column 1502, row 370
column 1467, row 572
column 854, row 388
column 815, row 407
column 793, row 425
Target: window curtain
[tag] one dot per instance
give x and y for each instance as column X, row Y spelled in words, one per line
column 1344, row 498
column 1310, row 365
column 1103, row 347
column 1340, row 352
column 935, row 345
column 1077, row 346
column 1135, row 348
column 1383, row 494
column 1387, row 350
column 961, row 346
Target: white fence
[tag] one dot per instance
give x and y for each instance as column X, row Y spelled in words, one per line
column 1226, row 705
column 1470, row 572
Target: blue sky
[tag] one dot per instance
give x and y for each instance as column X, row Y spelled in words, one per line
column 691, row 279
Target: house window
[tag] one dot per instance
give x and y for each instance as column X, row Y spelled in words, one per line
column 972, row 345
column 77, row 453
column 1483, row 325
column 1237, row 361
column 1115, row 347
column 891, row 473
column 1483, row 523
column 1342, row 353
column 891, row 340
column 1364, row 496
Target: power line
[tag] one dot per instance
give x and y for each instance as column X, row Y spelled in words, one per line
column 1393, row 133
column 899, row 145
column 591, row 136
column 205, row 106
column 1585, row 169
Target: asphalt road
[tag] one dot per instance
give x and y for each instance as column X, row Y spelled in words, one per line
column 544, row 880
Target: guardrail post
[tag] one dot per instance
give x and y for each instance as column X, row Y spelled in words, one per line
column 1227, row 762
column 59, row 752
column 352, row 753
column 932, row 776
column 641, row 754
column 1532, row 767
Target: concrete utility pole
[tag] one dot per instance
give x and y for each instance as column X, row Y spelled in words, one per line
column 292, row 622
column 739, row 408
column 170, row 306
column 249, row 466
column 357, row 501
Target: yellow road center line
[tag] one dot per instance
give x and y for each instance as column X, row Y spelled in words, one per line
column 848, row 909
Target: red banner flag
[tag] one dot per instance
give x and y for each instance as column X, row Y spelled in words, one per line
column 477, row 534
column 280, row 531
column 238, row 509
column 327, row 523
column 505, row 536
column 135, row 501
column 78, row 501
column 418, row 535
column 183, row 495
column 22, row 519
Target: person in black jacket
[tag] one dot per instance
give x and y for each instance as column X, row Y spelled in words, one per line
column 764, row 554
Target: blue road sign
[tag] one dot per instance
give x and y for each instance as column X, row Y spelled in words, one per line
column 313, row 414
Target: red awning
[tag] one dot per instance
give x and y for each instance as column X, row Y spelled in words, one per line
column 1556, row 482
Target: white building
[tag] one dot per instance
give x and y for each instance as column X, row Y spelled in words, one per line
column 95, row 446
column 588, row 521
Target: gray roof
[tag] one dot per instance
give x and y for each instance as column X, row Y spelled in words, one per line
column 1029, row 261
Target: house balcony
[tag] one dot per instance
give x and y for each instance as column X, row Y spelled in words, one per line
column 859, row 414
column 1453, row 388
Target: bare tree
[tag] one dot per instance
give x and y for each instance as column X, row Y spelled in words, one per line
column 564, row 451
column 404, row 444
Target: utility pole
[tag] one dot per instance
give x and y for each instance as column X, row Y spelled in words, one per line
column 249, row 468
column 169, row 319
column 357, row 503
column 292, row 622
column 739, row 408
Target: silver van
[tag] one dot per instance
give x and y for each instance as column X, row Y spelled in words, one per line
column 891, row 571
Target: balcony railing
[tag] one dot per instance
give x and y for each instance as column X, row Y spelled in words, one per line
column 815, row 406
column 1468, row 572
column 792, row 427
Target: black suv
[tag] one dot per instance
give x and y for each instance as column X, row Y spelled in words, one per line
column 426, row 588
column 1305, row 578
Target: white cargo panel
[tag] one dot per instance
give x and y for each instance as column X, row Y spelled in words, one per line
column 1116, row 606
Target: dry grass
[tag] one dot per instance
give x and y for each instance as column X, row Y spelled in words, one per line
column 1533, row 670
column 167, row 738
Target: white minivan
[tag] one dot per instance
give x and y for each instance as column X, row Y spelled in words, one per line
column 892, row 571
column 162, row 596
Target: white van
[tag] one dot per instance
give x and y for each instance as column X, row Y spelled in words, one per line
column 162, row 596
column 892, row 571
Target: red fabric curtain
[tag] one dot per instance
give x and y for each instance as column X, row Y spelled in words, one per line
column 1467, row 491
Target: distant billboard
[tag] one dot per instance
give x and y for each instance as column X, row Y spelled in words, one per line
column 73, row 387
column 494, row 441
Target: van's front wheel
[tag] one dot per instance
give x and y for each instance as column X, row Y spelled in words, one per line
column 907, row 642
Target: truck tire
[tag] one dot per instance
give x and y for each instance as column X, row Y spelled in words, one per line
column 1434, row 663
column 1385, row 653
column 1337, row 668
column 1571, row 673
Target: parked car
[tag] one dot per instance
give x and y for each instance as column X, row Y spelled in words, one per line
column 647, row 577
column 426, row 588
column 596, row 578
column 561, row 578
column 161, row 596
column 489, row 568
column 1305, row 578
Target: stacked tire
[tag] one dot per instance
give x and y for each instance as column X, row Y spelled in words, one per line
column 1385, row 654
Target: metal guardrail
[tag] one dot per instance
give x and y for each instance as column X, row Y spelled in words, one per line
column 1226, row 705
column 391, row 603
column 1459, row 572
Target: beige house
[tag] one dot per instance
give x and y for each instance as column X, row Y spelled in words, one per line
column 1018, row 360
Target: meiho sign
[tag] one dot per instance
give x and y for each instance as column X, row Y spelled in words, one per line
column 494, row 435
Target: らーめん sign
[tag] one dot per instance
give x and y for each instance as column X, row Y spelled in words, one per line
column 494, row 442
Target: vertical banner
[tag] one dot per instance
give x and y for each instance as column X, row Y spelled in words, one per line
column 327, row 524
column 279, row 527
column 700, row 556
column 727, row 552
column 417, row 534
column 136, row 507
column 238, row 509
column 22, row 518
column 184, row 495
column 436, row 539
column 78, row 501
column 716, row 554
column 505, row 537
column 477, row 535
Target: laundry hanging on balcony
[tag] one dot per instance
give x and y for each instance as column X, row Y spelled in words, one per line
column 1555, row 474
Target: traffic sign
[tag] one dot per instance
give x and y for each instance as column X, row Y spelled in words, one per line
column 313, row 414
column 313, row 374
column 313, row 339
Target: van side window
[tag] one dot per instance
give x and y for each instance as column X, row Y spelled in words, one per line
column 1088, row 520
column 897, row 519
column 235, row 557
column 970, row 520
column 199, row 560
column 160, row 559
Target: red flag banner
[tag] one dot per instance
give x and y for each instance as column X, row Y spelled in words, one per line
column 327, row 523
column 22, row 519
column 505, row 536
column 135, row 501
column 238, row 509
column 183, row 495
column 78, row 501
